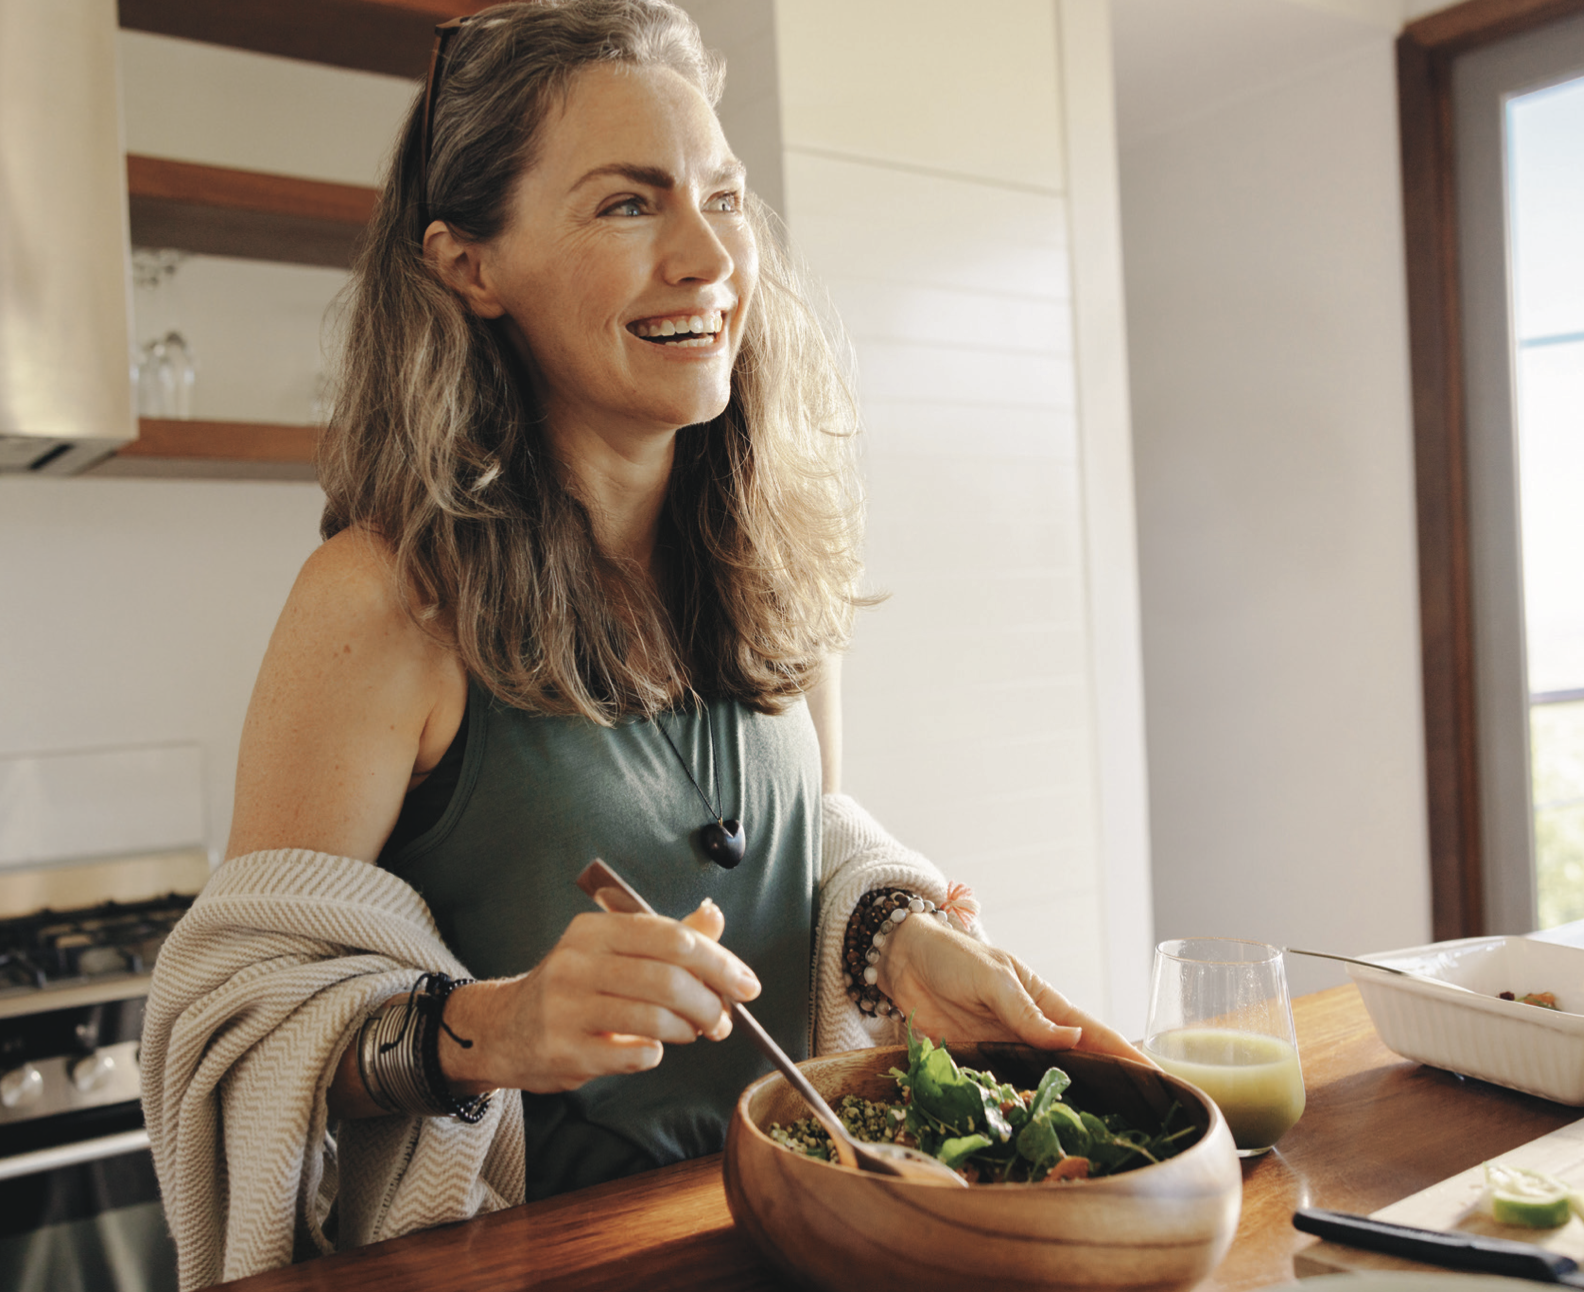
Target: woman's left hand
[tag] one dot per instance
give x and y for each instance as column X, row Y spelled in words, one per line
column 958, row 989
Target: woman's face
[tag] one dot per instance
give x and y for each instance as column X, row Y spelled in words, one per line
column 627, row 267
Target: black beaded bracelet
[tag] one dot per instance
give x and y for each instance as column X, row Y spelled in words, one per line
column 438, row 986
column 876, row 916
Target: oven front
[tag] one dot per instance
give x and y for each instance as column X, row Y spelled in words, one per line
column 79, row 1203
column 85, row 1216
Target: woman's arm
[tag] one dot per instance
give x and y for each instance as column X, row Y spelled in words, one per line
column 352, row 703
column 355, row 704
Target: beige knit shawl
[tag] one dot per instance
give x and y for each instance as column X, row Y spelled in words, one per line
column 265, row 982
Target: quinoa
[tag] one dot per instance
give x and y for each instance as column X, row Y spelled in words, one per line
column 871, row 1122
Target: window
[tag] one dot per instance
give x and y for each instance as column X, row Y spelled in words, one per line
column 1493, row 153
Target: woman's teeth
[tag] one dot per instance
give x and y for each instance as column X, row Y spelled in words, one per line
column 692, row 330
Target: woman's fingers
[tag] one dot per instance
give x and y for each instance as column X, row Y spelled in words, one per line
column 1032, row 1027
column 965, row 990
column 626, row 1016
column 582, row 985
column 708, row 920
column 615, row 1052
column 578, row 1060
column 675, row 942
column 677, row 966
column 1096, row 1035
column 614, row 991
column 668, row 987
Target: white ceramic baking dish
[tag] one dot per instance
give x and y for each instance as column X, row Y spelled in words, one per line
column 1473, row 1032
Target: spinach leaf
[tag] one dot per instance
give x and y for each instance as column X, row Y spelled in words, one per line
column 969, row 1118
column 955, row 1152
column 943, row 1093
column 1039, row 1145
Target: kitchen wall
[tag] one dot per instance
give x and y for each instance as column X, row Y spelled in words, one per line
column 945, row 175
column 993, row 702
column 1264, row 264
column 136, row 611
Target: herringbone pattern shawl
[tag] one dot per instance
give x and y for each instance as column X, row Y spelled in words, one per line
column 256, row 993
column 262, row 986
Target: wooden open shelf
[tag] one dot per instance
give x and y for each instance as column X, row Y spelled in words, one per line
column 216, row 211
column 388, row 36
column 213, row 210
column 218, row 450
column 232, row 441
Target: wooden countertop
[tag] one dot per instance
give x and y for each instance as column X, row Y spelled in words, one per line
column 1376, row 1129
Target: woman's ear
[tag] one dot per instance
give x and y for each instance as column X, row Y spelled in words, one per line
column 460, row 266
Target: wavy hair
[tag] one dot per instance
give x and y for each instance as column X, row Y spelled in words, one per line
column 435, row 442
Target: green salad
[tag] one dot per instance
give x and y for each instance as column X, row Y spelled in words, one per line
column 989, row 1130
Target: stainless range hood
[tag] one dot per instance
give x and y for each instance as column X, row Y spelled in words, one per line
column 66, row 396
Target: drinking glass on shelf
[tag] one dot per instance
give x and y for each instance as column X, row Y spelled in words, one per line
column 166, row 373
column 1220, row 1018
column 166, row 370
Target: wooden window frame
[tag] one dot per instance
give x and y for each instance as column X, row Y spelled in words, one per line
column 1425, row 54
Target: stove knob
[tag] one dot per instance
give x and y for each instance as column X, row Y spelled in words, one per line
column 93, row 1073
column 21, row 1086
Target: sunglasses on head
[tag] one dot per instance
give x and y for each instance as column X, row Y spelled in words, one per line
column 444, row 33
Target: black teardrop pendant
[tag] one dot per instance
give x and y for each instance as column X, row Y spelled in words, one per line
column 723, row 842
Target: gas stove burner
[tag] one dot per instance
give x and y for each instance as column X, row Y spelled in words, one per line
column 95, row 942
column 16, row 970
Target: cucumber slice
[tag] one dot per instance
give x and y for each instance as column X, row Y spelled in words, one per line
column 1515, row 1196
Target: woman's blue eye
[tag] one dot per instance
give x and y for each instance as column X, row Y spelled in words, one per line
column 628, row 206
column 727, row 202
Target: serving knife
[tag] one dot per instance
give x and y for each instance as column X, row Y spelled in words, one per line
column 1451, row 1250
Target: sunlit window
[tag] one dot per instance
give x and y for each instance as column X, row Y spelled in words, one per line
column 1545, row 150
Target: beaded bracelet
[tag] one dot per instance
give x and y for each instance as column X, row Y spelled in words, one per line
column 873, row 920
column 398, row 1052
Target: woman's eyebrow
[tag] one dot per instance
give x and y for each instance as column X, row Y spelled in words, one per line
column 658, row 177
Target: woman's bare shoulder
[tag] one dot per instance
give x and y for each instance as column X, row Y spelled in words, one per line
column 347, row 597
column 350, row 575
column 351, row 697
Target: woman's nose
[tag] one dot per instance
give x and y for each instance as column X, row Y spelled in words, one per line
column 695, row 252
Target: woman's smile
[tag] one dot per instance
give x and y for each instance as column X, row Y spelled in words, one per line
column 682, row 331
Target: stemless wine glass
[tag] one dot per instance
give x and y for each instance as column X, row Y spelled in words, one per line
column 166, row 371
column 1221, row 1019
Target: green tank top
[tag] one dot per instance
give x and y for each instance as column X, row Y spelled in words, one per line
column 536, row 799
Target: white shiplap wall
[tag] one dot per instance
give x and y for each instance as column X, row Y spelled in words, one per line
column 927, row 185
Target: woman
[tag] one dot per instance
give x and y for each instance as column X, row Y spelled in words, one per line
column 589, row 555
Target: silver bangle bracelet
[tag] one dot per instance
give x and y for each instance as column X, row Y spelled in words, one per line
column 398, row 1054
column 389, row 1060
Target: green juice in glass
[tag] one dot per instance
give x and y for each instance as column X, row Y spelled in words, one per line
column 1255, row 1080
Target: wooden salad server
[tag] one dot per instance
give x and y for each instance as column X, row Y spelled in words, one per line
column 612, row 893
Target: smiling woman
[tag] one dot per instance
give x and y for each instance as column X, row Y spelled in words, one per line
column 591, row 537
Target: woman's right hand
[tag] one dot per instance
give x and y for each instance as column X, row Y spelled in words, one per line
column 612, row 993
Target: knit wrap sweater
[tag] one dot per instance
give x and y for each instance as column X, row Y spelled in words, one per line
column 266, row 981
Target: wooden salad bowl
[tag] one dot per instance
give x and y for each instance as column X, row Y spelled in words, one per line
column 1164, row 1226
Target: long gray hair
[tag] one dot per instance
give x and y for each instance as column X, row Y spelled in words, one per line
column 436, row 445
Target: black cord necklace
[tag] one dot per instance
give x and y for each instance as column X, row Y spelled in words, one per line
column 722, row 840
